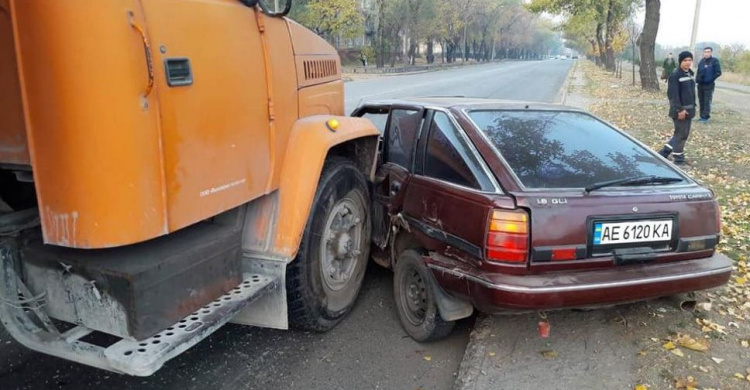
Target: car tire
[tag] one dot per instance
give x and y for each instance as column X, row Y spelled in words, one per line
column 415, row 299
column 325, row 278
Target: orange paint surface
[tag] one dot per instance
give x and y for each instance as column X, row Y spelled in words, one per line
column 116, row 162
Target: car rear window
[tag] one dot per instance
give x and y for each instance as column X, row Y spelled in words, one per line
column 548, row 149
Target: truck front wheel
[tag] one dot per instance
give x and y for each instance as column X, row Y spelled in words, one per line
column 324, row 279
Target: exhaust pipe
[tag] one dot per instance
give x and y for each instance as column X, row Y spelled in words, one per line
column 684, row 302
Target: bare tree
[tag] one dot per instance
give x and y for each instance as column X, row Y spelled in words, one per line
column 647, row 44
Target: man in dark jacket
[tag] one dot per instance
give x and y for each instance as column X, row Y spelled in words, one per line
column 669, row 66
column 709, row 70
column 681, row 94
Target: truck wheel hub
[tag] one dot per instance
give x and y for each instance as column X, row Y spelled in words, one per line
column 342, row 237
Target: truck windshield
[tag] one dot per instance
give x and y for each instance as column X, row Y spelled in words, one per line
column 553, row 149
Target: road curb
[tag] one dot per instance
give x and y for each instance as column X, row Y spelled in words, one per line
column 476, row 352
column 562, row 95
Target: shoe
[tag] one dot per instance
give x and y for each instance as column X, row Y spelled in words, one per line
column 703, row 120
column 665, row 151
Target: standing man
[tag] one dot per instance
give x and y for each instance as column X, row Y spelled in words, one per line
column 681, row 94
column 669, row 66
column 709, row 70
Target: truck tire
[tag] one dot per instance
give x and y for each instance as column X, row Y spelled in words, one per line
column 324, row 279
column 415, row 299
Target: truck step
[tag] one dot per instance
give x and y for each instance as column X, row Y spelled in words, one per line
column 144, row 357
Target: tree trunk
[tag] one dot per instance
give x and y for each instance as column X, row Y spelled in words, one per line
column 609, row 59
column 464, row 45
column 593, row 49
column 600, row 43
column 412, row 51
column 381, row 34
column 647, row 43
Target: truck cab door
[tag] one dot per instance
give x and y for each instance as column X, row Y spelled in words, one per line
column 211, row 93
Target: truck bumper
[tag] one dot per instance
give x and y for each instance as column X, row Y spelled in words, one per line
column 496, row 292
column 23, row 314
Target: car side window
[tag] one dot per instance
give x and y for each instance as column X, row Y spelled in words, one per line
column 449, row 158
column 401, row 137
column 377, row 119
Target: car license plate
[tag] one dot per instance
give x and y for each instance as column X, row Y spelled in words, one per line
column 608, row 233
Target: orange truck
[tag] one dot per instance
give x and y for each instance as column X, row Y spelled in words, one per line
column 168, row 166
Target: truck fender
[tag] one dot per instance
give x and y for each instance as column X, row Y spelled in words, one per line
column 311, row 140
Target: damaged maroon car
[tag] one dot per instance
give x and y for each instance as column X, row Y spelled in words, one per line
column 509, row 206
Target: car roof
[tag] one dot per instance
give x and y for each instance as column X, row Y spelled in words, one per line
column 460, row 102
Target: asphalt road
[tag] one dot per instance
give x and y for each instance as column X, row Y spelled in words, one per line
column 538, row 81
column 369, row 350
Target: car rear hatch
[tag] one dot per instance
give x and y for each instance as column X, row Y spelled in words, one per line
column 595, row 196
column 619, row 226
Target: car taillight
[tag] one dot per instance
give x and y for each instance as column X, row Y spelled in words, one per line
column 508, row 236
column 717, row 211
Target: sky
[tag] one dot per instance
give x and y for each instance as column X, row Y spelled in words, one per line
column 722, row 21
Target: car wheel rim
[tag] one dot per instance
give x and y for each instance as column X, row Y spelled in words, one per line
column 340, row 249
column 414, row 296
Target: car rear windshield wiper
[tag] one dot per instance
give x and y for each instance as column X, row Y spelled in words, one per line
column 633, row 181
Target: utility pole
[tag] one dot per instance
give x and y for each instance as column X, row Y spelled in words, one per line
column 696, row 16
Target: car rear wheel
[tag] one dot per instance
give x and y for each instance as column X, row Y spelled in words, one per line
column 324, row 279
column 415, row 299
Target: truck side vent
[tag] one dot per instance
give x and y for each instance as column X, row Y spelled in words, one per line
column 318, row 69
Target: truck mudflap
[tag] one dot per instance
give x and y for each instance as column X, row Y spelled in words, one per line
column 23, row 315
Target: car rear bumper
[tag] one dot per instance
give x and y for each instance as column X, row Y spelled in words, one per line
column 496, row 292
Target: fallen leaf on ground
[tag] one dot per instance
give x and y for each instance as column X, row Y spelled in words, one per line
column 745, row 343
column 717, row 360
column 549, row 354
column 428, row 358
column 640, row 387
column 705, row 306
column 678, row 352
column 687, row 383
column 685, row 340
column 669, row 346
column 704, row 369
column 708, row 326
column 739, row 376
column 642, row 352
column 492, row 354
